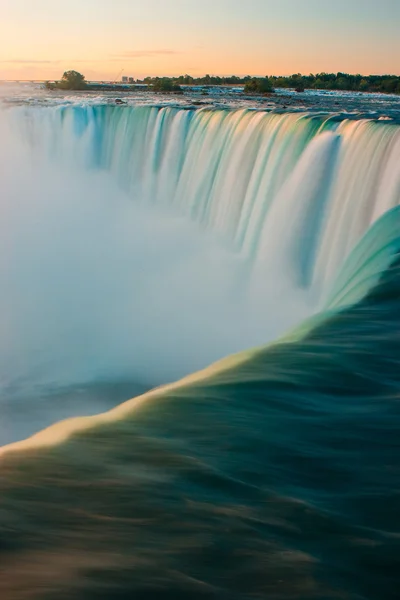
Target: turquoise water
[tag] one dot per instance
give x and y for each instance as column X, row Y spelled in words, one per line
column 274, row 473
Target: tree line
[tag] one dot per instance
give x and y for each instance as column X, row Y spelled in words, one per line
column 388, row 84
column 75, row 81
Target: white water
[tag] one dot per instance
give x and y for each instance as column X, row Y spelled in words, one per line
column 144, row 244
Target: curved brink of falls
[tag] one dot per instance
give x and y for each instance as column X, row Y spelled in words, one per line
column 365, row 275
column 274, row 473
column 273, row 457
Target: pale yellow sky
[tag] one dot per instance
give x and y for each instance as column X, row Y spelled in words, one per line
column 42, row 38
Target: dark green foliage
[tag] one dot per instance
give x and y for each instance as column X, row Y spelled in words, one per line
column 71, row 80
column 322, row 81
column 340, row 81
column 165, row 84
column 258, row 86
column 388, row 84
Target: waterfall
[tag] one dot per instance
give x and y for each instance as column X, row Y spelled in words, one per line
column 160, row 239
column 140, row 244
column 224, row 168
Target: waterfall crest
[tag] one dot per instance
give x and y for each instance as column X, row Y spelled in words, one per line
column 146, row 229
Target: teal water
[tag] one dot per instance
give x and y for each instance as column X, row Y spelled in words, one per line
column 274, row 477
column 275, row 473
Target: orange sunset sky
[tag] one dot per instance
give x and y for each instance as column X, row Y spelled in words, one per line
column 40, row 39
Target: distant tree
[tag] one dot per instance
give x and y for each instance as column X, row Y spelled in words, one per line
column 165, row 84
column 72, row 80
column 265, row 86
column 320, row 84
column 259, row 86
column 281, row 82
column 389, row 85
column 250, row 86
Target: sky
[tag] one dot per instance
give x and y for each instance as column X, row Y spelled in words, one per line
column 104, row 39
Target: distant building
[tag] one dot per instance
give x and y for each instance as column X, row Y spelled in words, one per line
column 124, row 80
column 131, row 80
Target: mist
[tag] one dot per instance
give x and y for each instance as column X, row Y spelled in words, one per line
column 137, row 247
column 98, row 286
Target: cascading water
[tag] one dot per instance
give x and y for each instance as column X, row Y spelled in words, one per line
column 158, row 240
column 141, row 243
column 225, row 169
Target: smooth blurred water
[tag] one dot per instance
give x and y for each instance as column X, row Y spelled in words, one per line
column 275, row 474
column 139, row 244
